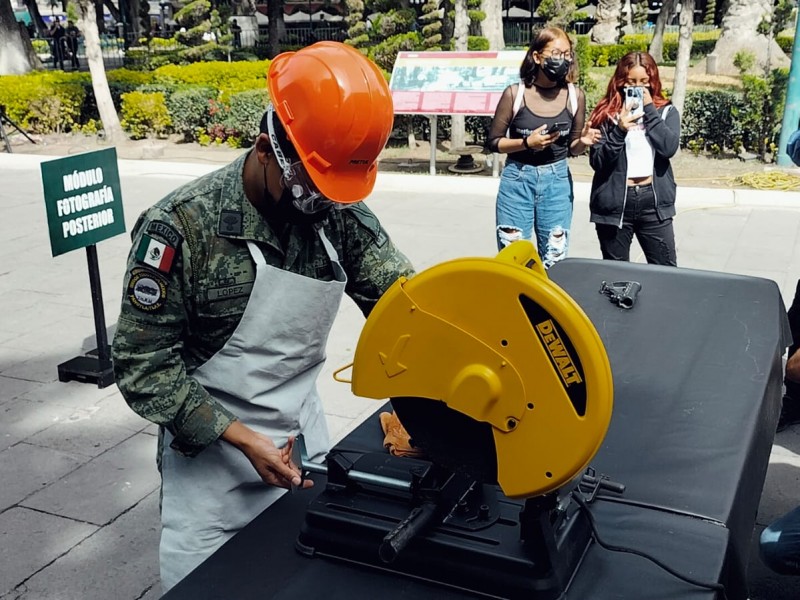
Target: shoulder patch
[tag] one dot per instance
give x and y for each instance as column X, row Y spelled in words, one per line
column 155, row 253
column 166, row 232
column 367, row 220
column 147, row 290
column 230, row 222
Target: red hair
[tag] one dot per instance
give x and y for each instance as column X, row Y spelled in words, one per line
column 611, row 104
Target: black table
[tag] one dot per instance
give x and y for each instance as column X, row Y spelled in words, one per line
column 697, row 377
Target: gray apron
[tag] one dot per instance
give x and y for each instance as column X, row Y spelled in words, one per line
column 266, row 375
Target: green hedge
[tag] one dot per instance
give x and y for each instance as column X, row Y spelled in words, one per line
column 171, row 99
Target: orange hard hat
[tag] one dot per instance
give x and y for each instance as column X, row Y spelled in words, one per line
column 336, row 108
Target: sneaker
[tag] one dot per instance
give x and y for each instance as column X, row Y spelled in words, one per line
column 790, row 413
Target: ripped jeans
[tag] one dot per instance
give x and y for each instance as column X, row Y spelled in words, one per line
column 535, row 199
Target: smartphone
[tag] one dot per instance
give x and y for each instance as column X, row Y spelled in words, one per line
column 634, row 100
column 561, row 126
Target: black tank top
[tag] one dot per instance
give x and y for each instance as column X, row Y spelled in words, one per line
column 525, row 122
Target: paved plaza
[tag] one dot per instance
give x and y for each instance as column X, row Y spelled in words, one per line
column 79, row 491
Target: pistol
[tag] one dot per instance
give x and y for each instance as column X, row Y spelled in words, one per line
column 622, row 293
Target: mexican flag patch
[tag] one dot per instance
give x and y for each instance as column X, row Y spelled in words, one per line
column 156, row 254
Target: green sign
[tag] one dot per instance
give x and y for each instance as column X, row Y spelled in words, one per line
column 83, row 200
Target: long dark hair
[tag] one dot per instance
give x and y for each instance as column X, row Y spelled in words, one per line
column 529, row 69
column 611, row 104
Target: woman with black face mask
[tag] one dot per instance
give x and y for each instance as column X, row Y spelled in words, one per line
column 539, row 122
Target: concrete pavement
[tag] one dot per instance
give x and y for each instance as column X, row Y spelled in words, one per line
column 79, row 493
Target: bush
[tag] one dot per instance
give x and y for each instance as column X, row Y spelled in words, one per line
column 244, row 115
column 189, row 109
column 709, row 115
column 44, row 102
column 223, row 76
column 143, row 114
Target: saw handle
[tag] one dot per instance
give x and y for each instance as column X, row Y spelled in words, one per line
column 399, row 537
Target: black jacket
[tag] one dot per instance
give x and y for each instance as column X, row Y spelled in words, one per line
column 607, row 157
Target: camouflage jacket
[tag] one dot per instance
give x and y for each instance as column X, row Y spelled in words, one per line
column 188, row 280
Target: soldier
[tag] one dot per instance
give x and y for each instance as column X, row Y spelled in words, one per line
column 248, row 265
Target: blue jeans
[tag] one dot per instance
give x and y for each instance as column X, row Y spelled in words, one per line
column 536, row 199
column 780, row 544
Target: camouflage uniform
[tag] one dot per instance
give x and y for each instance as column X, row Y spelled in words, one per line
column 177, row 313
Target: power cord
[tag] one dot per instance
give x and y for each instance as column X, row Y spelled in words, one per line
column 717, row 587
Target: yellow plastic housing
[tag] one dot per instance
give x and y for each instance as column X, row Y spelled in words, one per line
column 459, row 333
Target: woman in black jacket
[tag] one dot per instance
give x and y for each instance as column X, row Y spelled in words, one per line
column 633, row 189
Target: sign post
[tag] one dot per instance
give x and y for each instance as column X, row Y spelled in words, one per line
column 84, row 206
column 452, row 83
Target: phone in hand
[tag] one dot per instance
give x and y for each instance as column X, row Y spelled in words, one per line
column 634, row 100
column 561, row 127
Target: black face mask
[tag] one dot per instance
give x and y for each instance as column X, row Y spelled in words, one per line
column 286, row 212
column 556, row 69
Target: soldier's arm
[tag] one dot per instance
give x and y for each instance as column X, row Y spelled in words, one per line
column 148, row 364
column 372, row 261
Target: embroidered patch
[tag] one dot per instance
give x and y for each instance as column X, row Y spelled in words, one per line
column 147, row 290
column 230, row 291
column 155, row 253
column 166, row 233
column 230, row 222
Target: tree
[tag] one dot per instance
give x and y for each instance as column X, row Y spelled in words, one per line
column 740, row 31
column 492, row 25
column 710, row 15
column 36, row 17
column 657, row 44
column 557, row 13
column 607, row 22
column 276, row 27
column 16, row 51
column 461, row 36
column 686, row 21
column 94, row 56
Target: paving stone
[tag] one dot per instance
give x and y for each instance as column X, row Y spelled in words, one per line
column 20, row 418
column 81, row 433
column 30, row 540
column 11, row 388
column 26, row 469
column 118, row 561
column 106, row 486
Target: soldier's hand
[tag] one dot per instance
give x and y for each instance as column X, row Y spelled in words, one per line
column 274, row 465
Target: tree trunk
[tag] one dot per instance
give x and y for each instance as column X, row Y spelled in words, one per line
column 36, row 17
column 460, row 33
column 101, row 22
column 686, row 21
column 656, row 49
column 112, row 9
column 492, row 25
column 94, row 56
column 739, row 32
column 275, row 16
column 607, row 22
column 16, row 52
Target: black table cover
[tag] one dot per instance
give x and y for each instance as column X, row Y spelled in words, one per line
column 697, row 379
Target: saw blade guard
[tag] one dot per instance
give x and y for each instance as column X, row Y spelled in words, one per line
column 495, row 340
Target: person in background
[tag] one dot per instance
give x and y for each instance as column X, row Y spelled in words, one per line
column 236, row 30
column 72, row 35
column 56, row 34
column 232, row 286
column 539, row 122
column 633, row 189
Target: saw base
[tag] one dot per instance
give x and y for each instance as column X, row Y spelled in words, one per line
column 475, row 547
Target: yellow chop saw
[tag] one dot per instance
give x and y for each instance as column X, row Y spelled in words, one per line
column 503, row 383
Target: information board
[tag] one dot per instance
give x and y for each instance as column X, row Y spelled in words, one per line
column 83, row 199
column 448, row 83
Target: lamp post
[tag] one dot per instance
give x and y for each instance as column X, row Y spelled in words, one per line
column 791, row 112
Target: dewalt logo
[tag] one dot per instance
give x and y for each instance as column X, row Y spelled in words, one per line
column 558, row 353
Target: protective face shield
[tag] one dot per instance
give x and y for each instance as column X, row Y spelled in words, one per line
column 306, row 198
